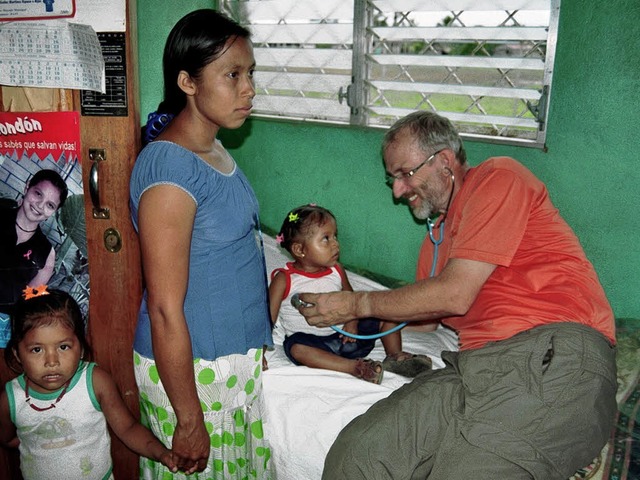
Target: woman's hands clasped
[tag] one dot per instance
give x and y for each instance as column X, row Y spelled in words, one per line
column 191, row 447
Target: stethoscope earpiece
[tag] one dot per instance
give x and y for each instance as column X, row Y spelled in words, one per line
column 450, row 172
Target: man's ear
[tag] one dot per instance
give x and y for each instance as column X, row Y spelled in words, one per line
column 186, row 83
column 447, row 159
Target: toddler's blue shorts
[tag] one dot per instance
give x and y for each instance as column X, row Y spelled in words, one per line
column 334, row 343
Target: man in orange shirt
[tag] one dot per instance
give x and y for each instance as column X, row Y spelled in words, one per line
column 531, row 394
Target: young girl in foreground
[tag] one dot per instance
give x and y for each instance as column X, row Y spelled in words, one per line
column 309, row 234
column 58, row 409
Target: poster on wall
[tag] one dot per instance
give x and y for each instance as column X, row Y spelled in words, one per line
column 42, row 233
column 36, row 9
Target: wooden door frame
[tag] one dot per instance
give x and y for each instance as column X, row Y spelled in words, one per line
column 116, row 279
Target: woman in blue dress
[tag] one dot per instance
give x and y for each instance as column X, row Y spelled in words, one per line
column 204, row 317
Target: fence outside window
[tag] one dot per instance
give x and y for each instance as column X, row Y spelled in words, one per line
column 487, row 65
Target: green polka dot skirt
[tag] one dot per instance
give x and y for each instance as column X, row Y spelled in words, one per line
column 230, row 392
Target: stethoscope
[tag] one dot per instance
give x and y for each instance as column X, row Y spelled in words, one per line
column 431, row 223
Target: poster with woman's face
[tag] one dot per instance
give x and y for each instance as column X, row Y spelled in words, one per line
column 42, row 223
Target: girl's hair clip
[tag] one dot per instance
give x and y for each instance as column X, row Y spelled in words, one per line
column 279, row 238
column 31, row 292
column 293, row 217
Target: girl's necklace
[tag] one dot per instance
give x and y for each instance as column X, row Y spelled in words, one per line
column 40, row 409
column 24, row 230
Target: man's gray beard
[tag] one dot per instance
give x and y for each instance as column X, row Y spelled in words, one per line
column 423, row 211
column 426, row 207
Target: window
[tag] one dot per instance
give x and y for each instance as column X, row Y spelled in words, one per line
column 485, row 64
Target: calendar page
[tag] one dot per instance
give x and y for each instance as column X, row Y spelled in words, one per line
column 51, row 54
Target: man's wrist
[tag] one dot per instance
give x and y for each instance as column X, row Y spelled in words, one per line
column 362, row 305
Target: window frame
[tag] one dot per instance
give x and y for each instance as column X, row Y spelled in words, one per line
column 343, row 93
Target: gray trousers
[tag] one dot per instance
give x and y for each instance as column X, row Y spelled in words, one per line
column 538, row 405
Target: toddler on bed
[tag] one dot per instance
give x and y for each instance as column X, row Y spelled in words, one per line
column 309, row 234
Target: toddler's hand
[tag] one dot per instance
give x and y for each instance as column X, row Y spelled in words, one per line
column 168, row 460
column 350, row 327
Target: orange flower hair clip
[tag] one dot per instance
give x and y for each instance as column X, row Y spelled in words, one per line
column 31, row 292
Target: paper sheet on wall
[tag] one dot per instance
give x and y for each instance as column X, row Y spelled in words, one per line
column 53, row 54
column 102, row 15
column 36, row 9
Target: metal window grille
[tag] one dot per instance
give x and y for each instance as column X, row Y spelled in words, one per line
column 485, row 64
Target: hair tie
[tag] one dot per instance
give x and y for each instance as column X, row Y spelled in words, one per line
column 31, row 292
column 279, row 238
column 293, row 217
column 156, row 123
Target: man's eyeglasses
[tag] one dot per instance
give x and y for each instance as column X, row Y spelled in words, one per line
column 390, row 179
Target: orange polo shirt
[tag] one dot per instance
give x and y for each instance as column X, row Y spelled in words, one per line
column 503, row 215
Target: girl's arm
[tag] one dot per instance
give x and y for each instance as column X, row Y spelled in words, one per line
column 276, row 291
column 165, row 217
column 45, row 273
column 346, row 286
column 123, row 424
column 8, row 436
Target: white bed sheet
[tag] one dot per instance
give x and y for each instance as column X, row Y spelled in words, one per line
column 306, row 408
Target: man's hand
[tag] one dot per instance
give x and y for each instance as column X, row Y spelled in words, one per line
column 329, row 308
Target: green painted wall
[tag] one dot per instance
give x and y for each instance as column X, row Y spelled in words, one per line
column 590, row 166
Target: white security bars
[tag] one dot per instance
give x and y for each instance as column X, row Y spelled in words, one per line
column 485, row 64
